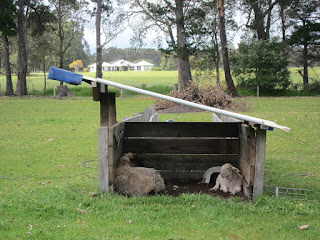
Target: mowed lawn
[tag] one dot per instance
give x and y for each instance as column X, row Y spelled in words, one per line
column 49, row 177
column 35, row 81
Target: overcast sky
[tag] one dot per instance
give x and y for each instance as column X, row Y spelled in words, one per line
column 123, row 40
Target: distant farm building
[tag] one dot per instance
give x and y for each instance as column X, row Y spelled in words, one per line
column 122, row 65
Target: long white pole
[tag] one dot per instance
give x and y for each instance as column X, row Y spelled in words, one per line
column 191, row 104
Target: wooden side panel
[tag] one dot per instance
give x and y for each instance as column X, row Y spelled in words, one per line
column 182, row 129
column 260, row 162
column 182, row 145
column 247, row 153
column 116, row 134
column 103, row 159
column 185, row 162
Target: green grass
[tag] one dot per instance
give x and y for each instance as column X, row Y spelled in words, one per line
column 158, row 81
column 43, row 143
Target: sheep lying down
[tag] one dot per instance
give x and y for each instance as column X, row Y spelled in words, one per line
column 137, row 181
column 229, row 180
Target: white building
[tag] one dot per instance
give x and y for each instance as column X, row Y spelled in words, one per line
column 122, row 65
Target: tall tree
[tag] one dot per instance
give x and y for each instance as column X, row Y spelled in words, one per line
column 260, row 22
column 69, row 17
column 22, row 54
column 32, row 16
column 98, row 40
column 179, row 20
column 111, row 20
column 307, row 30
column 224, row 49
column 7, row 28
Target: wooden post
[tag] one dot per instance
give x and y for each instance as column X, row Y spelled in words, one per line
column 107, row 119
column 103, row 160
column 112, row 108
column 260, row 161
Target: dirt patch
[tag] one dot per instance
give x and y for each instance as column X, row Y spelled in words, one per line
column 177, row 187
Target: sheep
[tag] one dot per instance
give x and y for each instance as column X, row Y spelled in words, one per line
column 207, row 175
column 137, row 181
column 229, row 180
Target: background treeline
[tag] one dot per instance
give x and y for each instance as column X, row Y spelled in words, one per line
column 275, row 35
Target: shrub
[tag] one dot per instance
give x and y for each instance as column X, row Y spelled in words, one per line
column 262, row 64
column 156, row 69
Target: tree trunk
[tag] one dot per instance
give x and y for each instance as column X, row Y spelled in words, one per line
column 268, row 21
column 258, row 24
column 283, row 26
column 98, row 41
column 61, row 38
column 63, row 91
column 305, row 65
column 224, row 49
column 218, row 73
column 9, row 86
column 184, row 68
column 22, row 54
column 44, row 75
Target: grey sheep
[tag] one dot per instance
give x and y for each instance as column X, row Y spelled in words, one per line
column 137, row 181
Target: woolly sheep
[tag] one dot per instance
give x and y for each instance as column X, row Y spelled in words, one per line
column 137, row 181
column 229, row 180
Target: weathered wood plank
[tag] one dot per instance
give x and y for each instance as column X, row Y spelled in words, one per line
column 247, row 171
column 184, row 162
column 215, row 118
column 103, row 160
column 181, row 145
column 116, row 133
column 182, row 129
column 167, row 175
column 247, row 144
column 260, row 162
column 112, row 108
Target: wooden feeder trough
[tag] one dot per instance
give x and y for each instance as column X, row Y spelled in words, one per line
column 180, row 150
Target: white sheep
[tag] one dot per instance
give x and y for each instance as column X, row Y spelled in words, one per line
column 137, row 181
column 207, row 175
column 229, row 180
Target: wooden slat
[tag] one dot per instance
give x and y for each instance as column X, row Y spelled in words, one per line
column 184, row 162
column 182, row 129
column 247, row 144
column 182, row 145
column 260, row 161
column 182, row 175
column 115, row 150
column 103, row 159
column 247, row 171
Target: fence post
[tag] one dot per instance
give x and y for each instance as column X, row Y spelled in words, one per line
column 260, row 161
column 107, row 119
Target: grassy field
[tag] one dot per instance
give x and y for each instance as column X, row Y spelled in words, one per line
column 159, row 81
column 49, row 178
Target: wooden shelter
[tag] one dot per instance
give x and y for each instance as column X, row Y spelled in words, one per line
column 181, row 150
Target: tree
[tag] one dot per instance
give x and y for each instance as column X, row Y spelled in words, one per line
column 262, row 64
column 180, row 21
column 34, row 17
column 224, row 50
column 306, row 32
column 68, row 22
column 7, row 28
column 22, row 55
column 261, row 20
column 77, row 64
column 168, row 63
column 111, row 21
